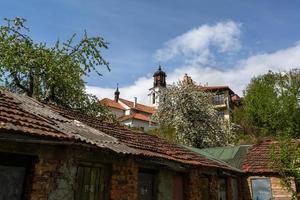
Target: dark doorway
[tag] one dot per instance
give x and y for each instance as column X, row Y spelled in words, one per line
column 13, row 173
column 146, row 185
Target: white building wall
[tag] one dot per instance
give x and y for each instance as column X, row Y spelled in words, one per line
column 156, row 91
column 117, row 112
column 138, row 123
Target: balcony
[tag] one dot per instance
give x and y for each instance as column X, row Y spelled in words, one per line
column 220, row 103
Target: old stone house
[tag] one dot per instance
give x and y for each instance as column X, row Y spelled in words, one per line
column 259, row 175
column 49, row 152
column 260, row 180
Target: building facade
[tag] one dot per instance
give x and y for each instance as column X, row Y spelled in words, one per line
column 130, row 113
column 134, row 114
column 53, row 153
column 259, row 180
column 223, row 99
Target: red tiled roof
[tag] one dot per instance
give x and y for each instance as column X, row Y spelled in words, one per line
column 138, row 116
column 27, row 116
column 148, row 145
column 14, row 118
column 258, row 158
column 216, row 88
column 140, row 107
column 111, row 103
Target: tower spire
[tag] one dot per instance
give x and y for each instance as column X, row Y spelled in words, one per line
column 117, row 93
column 159, row 66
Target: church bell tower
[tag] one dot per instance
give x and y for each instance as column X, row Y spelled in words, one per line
column 159, row 83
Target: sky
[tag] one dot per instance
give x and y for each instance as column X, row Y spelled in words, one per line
column 215, row 42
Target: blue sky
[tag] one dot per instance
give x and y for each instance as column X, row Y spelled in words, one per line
column 263, row 34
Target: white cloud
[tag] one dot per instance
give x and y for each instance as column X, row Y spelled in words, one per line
column 225, row 37
column 139, row 88
column 196, row 44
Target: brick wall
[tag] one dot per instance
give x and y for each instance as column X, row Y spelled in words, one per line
column 124, row 182
column 213, row 187
column 192, row 186
column 43, row 178
column 278, row 191
column 200, row 187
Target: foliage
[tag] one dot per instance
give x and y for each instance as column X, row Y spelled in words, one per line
column 286, row 161
column 167, row 133
column 271, row 105
column 271, row 108
column 50, row 73
column 190, row 112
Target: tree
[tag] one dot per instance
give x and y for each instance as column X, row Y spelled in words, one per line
column 271, row 107
column 189, row 111
column 271, row 104
column 53, row 73
column 167, row 133
column 285, row 156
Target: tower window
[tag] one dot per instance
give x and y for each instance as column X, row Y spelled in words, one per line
column 153, row 98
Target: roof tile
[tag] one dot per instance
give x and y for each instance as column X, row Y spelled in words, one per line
column 28, row 116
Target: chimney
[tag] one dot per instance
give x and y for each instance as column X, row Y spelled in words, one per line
column 187, row 80
column 135, row 102
column 117, row 93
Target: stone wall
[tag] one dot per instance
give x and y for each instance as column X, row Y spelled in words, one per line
column 192, row 186
column 201, row 187
column 43, row 175
column 124, row 181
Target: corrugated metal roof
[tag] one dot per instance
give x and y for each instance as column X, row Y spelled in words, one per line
column 233, row 155
column 205, row 153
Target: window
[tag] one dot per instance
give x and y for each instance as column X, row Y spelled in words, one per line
column 13, row 170
column 91, row 183
column 221, row 114
column 261, row 189
column 218, row 99
column 222, row 189
column 146, row 185
column 153, row 98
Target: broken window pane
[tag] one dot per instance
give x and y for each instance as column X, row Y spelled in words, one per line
column 261, row 189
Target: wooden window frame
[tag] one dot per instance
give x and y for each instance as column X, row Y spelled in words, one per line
column 106, row 176
column 258, row 178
